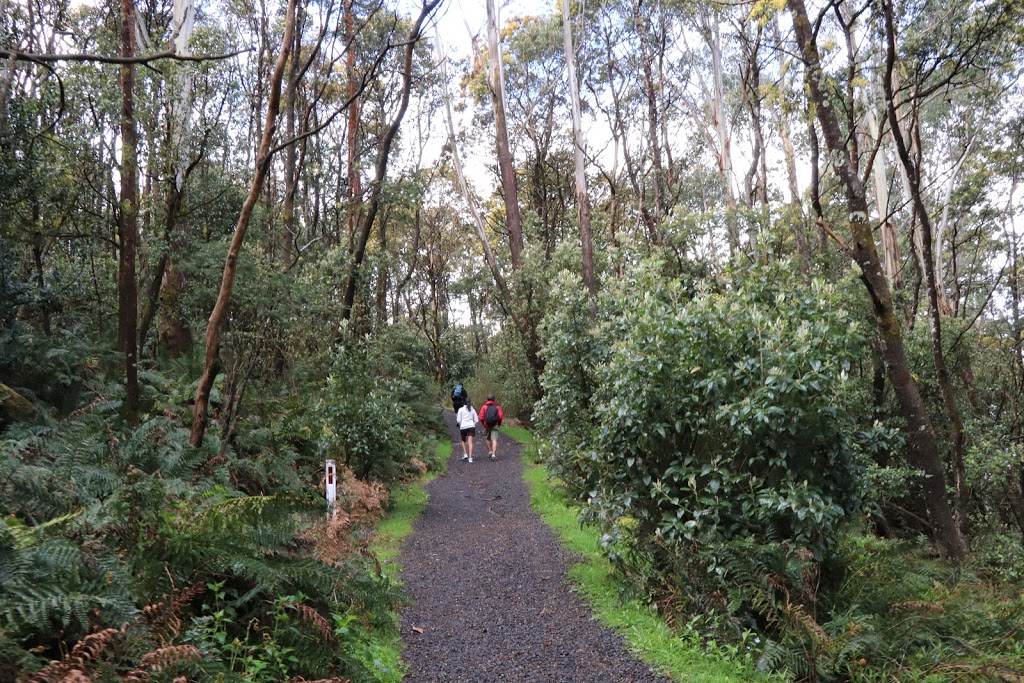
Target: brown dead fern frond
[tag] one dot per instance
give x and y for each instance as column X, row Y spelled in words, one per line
column 88, row 649
column 362, row 499
column 918, row 606
column 360, row 504
column 162, row 617
column 86, row 409
column 799, row 617
column 162, row 659
column 332, row 538
column 76, row 676
column 309, row 616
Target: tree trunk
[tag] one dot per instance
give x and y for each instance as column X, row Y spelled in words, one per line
column 582, row 196
column 505, row 163
column 924, row 452
column 956, row 445
column 355, row 188
column 651, row 97
column 37, row 259
column 713, row 40
column 489, row 258
column 212, row 360
column 128, row 298
column 880, row 180
column 383, row 155
column 527, row 332
column 383, row 274
column 940, row 232
column 815, row 187
column 291, row 170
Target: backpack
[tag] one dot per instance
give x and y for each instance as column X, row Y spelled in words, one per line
column 459, row 391
column 491, row 415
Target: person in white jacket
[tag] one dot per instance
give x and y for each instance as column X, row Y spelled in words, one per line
column 467, row 419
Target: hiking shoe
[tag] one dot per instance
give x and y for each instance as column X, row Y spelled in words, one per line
column 471, row 459
column 465, row 457
column 493, row 456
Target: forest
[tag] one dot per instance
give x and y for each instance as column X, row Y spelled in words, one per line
column 749, row 271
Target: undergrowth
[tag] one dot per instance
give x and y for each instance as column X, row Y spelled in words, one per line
column 684, row 656
column 896, row 613
column 128, row 554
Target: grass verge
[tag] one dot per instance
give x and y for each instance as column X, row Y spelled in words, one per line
column 407, row 503
column 683, row 657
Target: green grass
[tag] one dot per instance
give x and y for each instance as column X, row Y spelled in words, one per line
column 518, row 434
column 683, row 657
column 407, row 503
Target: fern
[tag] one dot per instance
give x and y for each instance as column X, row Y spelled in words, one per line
column 85, row 651
column 163, row 659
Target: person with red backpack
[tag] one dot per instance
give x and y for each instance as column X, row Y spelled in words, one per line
column 491, row 415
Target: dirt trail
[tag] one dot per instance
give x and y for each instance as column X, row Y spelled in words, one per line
column 489, row 598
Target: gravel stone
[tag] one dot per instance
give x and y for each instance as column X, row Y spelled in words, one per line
column 488, row 595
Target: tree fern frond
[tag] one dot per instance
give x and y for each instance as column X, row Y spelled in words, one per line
column 38, row 608
column 245, row 513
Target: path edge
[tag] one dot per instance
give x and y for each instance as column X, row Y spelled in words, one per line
column 681, row 657
column 408, row 501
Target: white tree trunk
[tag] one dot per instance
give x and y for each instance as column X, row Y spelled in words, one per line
column 940, row 229
column 582, row 197
column 181, row 110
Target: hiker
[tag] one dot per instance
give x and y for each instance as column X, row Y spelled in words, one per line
column 460, row 397
column 467, row 419
column 491, row 415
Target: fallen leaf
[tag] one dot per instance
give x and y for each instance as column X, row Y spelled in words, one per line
column 417, row 629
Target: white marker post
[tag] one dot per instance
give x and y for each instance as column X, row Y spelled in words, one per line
column 332, row 486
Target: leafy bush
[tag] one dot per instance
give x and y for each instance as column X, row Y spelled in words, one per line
column 376, row 398
column 703, row 434
column 707, row 419
column 899, row 611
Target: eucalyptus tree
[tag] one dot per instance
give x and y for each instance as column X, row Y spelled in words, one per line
column 582, row 197
column 128, row 213
column 212, row 360
column 94, row 38
column 537, row 100
column 920, row 432
column 506, row 170
column 387, row 140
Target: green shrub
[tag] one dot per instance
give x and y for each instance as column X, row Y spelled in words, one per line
column 703, row 434
column 375, row 404
column 707, row 419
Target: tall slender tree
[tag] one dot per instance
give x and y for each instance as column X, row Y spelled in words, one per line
column 212, row 359
column 506, row 166
column 921, row 439
column 582, row 196
column 362, row 238
column 128, row 216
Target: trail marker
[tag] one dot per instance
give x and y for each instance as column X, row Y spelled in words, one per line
column 331, row 478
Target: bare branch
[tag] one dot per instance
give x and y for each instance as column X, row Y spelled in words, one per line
column 103, row 59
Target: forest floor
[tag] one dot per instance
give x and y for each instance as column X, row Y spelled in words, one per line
column 488, row 595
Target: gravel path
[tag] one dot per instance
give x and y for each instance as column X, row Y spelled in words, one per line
column 489, row 598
